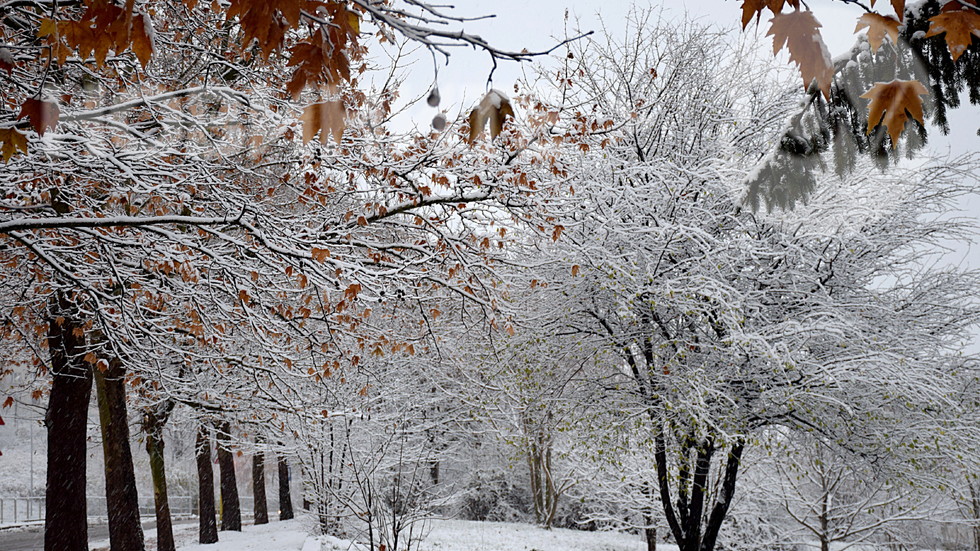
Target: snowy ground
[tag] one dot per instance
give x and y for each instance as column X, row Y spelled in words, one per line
column 463, row 535
column 446, row 535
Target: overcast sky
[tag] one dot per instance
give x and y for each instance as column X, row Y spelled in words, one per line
column 537, row 24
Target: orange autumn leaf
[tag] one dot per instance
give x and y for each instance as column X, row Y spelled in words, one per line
column 328, row 118
column 494, row 108
column 352, row 291
column 753, row 8
column 142, row 39
column 320, row 255
column 879, row 26
column 41, row 114
column 898, row 5
column 11, row 143
column 892, row 103
column 798, row 31
column 960, row 27
column 103, row 27
column 264, row 22
column 556, row 233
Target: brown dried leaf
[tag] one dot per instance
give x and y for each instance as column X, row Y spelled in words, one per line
column 494, row 108
column 799, row 32
column 878, row 27
column 320, row 255
column 753, row 8
column 892, row 103
column 959, row 25
column 898, row 5
column 142, row 38
column 328, row 118
column 11, row 143
column 42, row 114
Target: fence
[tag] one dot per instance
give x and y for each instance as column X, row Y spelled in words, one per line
column 21, row 509
column 16, row 510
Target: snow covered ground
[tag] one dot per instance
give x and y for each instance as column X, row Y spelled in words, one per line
column 445, row 535
column 464, row 535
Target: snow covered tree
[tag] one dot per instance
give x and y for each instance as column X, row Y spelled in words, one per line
column 727, row 322
column 159, row 181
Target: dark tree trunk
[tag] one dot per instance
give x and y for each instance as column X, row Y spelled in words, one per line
column 651, row 537
column 434, row 471
column 259, row 505
column 725, row 496
column 154, row 420
column 231, row 512
column 122, row 502
column 975, row 502
column 285, row 496
column 65, row 520
column 205, row 487
column 691, row 528
column 650, row 530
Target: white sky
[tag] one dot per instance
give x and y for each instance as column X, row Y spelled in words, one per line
column 536, row 24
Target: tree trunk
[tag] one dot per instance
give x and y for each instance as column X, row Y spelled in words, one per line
column 691, row 528
column 205, row 487
column 434, row 471
column 285, row 495
column 65, row 520
column 122, row 502
column 153, row 423
column 725, row 496
column 650, row 530
column 975, row 500
column 651, row 536
column 260, row 507
column 231, row 512
column 824, row 518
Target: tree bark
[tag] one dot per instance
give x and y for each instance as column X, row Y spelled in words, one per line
column 975, row 500
column 208, row 526
column 691, row 528
column 231, row 512
column 285, row 496
column 122, row 501
column 650, row 531
column 153, row 422
column 725, row 496
column 651, row 536
column 65, row 520
column 434, row 471
column 259, row 505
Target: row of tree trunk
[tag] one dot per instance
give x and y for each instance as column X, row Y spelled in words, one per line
column 66, row 518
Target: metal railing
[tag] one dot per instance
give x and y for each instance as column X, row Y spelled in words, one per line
column 20, row 510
